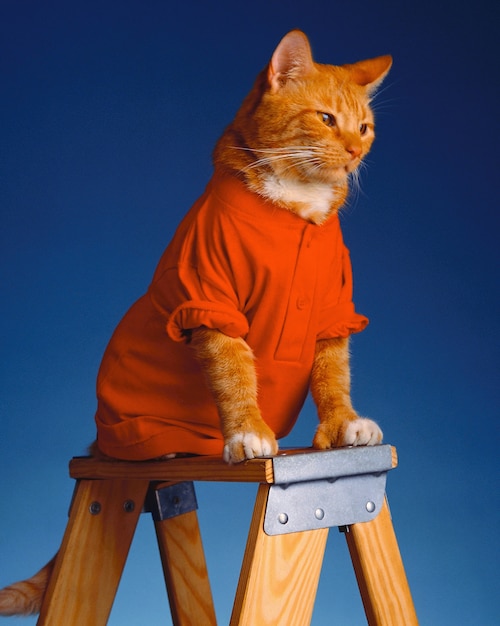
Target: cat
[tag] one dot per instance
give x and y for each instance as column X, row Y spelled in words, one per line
column 251, row 304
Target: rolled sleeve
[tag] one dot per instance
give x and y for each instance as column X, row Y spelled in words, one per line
column 342, row 321
column 195, row 313
column 339, row 318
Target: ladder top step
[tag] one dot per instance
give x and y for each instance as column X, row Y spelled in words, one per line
column 289, row 466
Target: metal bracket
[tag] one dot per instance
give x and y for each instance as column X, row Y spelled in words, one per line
column 171, row 501
column 324, row 489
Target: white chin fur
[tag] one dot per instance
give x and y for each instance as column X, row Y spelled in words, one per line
column 316, row 198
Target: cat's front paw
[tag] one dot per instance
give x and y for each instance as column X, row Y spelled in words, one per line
column 362, row 432
column 355, row 432
column 249, row 445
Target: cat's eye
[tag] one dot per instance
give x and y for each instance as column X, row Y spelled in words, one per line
column 327, row 118
column 363, row 128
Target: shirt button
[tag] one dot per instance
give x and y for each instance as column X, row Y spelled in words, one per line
column 301, row 302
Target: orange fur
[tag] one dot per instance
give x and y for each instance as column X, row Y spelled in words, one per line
column 25, row 598
column 280, row 146
column 330, row 387
column 229, row 367
column 299, row 134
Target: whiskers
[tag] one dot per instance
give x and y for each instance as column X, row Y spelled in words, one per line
column 302, row 157
column 311, row 161
column 355, row 179
column 379, row 105
column 355, row 189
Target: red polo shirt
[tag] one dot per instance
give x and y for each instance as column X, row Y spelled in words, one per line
column 242, row 265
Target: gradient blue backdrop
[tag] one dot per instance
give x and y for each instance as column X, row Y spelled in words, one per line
column 109, row 112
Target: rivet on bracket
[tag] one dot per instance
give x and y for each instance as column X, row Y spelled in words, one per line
column 169, row 501
column 319, row 513
column 283, row 518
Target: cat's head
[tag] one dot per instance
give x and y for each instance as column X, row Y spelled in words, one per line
column 303, row 128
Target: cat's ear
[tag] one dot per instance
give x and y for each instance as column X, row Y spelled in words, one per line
column 370, row 73
column 292, row 59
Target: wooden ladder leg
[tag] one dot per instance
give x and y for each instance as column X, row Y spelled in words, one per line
column 185, row 569
column 93, row 552
column 279, row 576
column 380, row 572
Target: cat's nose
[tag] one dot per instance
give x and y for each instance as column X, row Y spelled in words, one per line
column 354, row 150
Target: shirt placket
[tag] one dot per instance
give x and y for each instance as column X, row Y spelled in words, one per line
column 296, row 326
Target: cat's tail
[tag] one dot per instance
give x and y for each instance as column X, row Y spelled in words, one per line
column 25, row 597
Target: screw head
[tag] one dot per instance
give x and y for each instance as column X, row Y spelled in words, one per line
column 128, row 506
column 95, row 508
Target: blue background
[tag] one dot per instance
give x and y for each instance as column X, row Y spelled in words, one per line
column 109, row 112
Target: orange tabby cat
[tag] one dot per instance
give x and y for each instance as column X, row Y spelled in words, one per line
column 261, row 311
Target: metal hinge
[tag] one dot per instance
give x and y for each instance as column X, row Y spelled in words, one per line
column 171, row 501
column 321, row 490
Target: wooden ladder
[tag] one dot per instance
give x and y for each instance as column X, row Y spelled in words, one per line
column 301, row 494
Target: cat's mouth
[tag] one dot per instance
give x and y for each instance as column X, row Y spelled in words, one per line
column 342, row 171
column 351, row 166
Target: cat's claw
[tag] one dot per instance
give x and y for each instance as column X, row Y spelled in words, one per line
column 248, row 446
column 362, row 432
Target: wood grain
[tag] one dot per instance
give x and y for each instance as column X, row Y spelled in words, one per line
column 380, row 572
column 203, row 468
column 211, row 468
column 185, row 570
column 93, row 553
column 279, row 576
